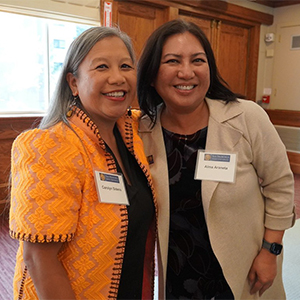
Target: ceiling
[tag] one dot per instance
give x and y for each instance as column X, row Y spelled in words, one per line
column 276, row 3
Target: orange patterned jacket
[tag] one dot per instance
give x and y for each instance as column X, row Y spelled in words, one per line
column 54, row 198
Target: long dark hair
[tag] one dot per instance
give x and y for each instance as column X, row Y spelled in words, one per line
column 149, row 63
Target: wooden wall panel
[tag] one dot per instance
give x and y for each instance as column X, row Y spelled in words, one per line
column 232, row 56
column 287, row 118
column 284, row 117
column 294, row 159
column 204, row 24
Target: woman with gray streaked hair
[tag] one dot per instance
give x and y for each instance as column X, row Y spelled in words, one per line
column 82, row 200
column 63, row 97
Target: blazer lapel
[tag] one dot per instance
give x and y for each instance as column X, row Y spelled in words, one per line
column 156, row 153
column 221, row 137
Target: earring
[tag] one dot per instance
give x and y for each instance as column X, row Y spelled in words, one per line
column 75, row 99
column 70, row 111
column 129, row 113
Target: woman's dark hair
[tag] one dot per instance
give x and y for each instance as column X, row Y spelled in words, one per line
column 149, row 63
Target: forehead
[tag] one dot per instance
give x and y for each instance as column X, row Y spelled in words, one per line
column 182, row 42
column 109, row 46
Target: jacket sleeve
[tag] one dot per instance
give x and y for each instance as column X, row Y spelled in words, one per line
column 272, row 166
column 46, row 172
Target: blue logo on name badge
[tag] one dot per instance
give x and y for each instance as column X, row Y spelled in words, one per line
column 109, row 178
column 217, row 157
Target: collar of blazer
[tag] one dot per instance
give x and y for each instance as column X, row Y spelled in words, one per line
column 218, row 110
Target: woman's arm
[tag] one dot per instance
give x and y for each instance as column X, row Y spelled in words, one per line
column 48, row 274
column 264, row 268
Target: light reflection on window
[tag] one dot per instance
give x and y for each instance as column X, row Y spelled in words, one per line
column 32, row 52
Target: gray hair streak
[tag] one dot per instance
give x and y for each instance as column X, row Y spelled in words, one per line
column 78, row 50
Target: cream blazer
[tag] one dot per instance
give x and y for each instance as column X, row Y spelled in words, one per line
column 236, row 213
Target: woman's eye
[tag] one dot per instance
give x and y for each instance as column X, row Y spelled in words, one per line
column 171, row 61
column 103, row 66
column 197, row 60
column 126, row 66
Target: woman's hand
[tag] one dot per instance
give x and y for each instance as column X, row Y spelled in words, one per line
column 263, row 272
column 264, row 267
column 48, row 274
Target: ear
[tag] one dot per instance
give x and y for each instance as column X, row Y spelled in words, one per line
column 72, row 81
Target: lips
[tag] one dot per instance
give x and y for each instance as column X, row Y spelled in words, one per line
column 184, row 87
column 118, row 94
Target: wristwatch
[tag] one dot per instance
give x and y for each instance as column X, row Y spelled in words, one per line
column 274, row 248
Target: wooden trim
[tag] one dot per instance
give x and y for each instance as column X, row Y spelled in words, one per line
column 4, row 185
column 287, row 118
column 252, row 67
column 294, row 159
column 11, row 127
column 216, row 7
column 172, row 13
column 141, row 11
column 284, row 117
column 277, row 3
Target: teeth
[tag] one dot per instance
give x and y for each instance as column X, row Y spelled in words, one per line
column 116, row 94
column 184, row 87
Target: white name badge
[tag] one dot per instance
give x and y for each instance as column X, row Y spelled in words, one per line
column 215, row 166
column 111, row 188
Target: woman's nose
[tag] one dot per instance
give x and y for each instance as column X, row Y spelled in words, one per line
column 116, row 77
column 186, row 72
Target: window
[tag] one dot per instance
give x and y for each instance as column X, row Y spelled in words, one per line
column 60, row 44
column 32, row 52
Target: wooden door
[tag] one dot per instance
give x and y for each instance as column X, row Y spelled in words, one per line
column 235, row 41
column 138, row 21
column 232, row 55
column 230, row 45
column 204, row 24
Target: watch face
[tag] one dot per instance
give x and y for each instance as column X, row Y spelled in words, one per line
column 275, row 248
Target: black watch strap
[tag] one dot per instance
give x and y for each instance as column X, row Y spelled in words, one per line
column 274, row 248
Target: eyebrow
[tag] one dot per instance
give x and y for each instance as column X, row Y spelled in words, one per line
column 105, row 60
column 177, row 55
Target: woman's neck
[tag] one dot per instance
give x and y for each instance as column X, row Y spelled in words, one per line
column 182, row 122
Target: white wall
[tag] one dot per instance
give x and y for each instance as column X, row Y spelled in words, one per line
column 267, row 73
column 265, row 66
column 286, row 66
column 266, row 78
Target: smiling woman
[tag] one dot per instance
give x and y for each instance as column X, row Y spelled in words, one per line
column 105, row 63
column 211, row 228
column 82, row 198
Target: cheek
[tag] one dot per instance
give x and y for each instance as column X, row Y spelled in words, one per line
column 204, row 76
column 82, row 83
column 132, row 80
column 162, row 79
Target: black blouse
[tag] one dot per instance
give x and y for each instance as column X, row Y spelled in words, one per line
column 140, row 215
column 193, row 270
